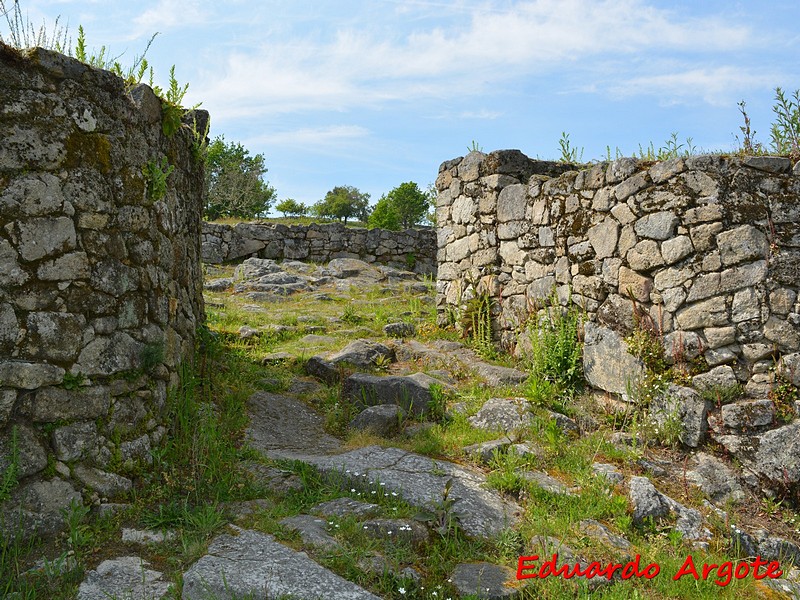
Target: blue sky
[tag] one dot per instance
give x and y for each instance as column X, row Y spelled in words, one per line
column 375, row 93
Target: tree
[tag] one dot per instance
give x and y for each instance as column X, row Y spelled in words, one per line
column 384, row 215
column 235, row 182
column 343, row 202
column 410, row 203
column 291, row 207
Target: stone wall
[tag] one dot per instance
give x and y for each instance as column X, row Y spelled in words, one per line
column 100, row 279
column 320, row 243
column 708, row 247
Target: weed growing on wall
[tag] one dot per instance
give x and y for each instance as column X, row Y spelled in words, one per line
column 9, row 477
column 785, row 130
column 555, row 346
column 155, row 174
column 476, row 323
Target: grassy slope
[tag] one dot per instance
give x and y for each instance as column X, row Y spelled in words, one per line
column 200, row 469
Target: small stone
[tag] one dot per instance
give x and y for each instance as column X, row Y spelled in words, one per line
column 381, row 419
column 483, row 580
column 400, row 330
column 657, row 226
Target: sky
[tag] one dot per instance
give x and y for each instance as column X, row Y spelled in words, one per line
column 376, row 93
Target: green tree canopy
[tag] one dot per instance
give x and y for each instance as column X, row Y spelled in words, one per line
column 343, row 202
column 410, row 203
column 235, row 182
column 291, row 207
column 384, row 215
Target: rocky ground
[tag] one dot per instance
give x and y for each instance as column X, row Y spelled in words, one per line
column 393, row 461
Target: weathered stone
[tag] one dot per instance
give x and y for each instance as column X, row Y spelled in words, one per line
column 700, row 315
column 547, row 483
column 511, row 203
column 70, row 267
column 45, row 236
column 722, row 376
column 412, row 392
column 484, row 580
column 672, row 277
column 75, row 441
column 7, row 400
column 284, row 427
column 362, row 353
column 54, row 336
column 104, row 483
column 742, row 244
column 685, row 405
column 633, row 284
column 29, row 376
column 645, row 256
column 110, row 355
column 603, row 534
column 676, row 249
column 609, row 472
column 607, row 364
column 381, row 419
column 681, row 346
column 748, row 414
column 716, row 337
column 486, row 452
column 504, row 414
column 400, row 330
column 37, row 508
column 254, row 564
column 789, row 367
column 312, row 531
column 603, row 238
column 777, row 454
column 345, row 507
column 421, row 482
column 647, row 501
column 31, row 454
column 721, row 356
column 783, row 333
column 497, row 375
column 715, row 479
column 144, row 537
column 657, row 226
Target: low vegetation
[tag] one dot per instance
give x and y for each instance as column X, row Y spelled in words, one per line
column 200, row 473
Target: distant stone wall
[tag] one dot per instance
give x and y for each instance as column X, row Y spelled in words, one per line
column 100, row 279
column 707, row 246
column 413, row 249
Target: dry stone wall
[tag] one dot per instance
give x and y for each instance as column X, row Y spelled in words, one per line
column 100, row 279
column 706, row 249
column 320, row 243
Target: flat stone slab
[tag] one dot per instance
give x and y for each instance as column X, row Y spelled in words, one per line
column 312, row 530
column 345, row 507
column 283, row 427
column 124, row 578
column 484, row 580
column 254, row 565
column 421, row 481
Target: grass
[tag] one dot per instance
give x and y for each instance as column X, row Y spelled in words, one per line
column 201, row 467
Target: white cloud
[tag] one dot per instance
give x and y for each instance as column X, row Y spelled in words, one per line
column 310, row 138
column 169, row 14
column 719, row 86
column 370, row 65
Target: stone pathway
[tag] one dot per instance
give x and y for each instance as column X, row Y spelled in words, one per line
column 421, row 481
column 253, row 564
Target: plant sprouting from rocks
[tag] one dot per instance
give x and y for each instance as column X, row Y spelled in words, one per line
column 24, row 34
column 476, row 323
column 569, row 154
column 155, row 174
column 555, row 348
column 9, row 477
column 785, row 130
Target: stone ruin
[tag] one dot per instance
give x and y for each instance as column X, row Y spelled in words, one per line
column 412, row 249
column 100, row 278
column 705, row 249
